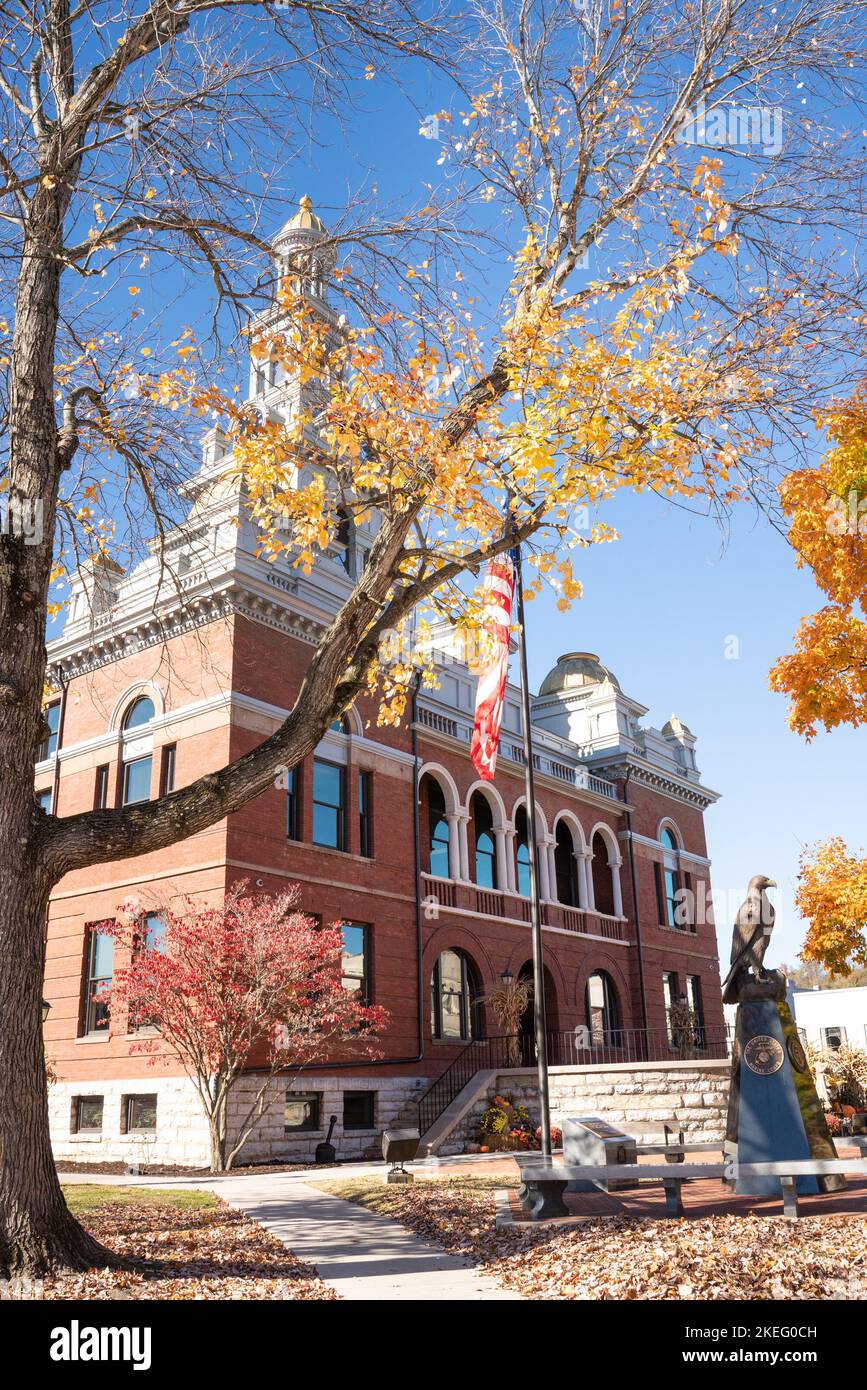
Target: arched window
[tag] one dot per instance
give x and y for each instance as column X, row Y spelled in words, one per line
column 672, row 912
column 454, row 995
column 438, row 829
column 136, row 770
column 602, row 1011
column 486, row 849
column 564, row 862
column 522, row 852
column 140, row 712
column 603, row 881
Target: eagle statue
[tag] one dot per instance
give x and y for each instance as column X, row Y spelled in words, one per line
column 752, row 932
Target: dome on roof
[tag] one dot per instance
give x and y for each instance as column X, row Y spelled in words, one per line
column 575, row 669
column 304, row 220
column 676, row 727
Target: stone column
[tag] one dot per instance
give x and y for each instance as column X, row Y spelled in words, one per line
column 549, row 848
column 544, row 883
column 581, row 877
column 587, row 856
column 454, row 845
column 509, row 836
column 502, row 858
column 463, row 822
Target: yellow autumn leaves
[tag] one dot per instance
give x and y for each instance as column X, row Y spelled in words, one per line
column 826, row 675
column 832, row 896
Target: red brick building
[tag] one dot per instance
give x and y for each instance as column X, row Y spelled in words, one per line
column 163, row 676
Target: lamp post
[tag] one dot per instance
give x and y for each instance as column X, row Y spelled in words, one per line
column 507, row 977
column 46, row 1010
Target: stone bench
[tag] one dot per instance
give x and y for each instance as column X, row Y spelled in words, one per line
column 543, row 1183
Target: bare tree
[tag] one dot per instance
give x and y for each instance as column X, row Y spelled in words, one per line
column 128, row 132
column 677, row 300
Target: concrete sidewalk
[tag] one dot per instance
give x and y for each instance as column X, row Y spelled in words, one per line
column 360, row 1254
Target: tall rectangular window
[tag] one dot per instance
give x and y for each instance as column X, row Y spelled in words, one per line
column 693, row 998
column 153, row 938
column 45, row 799
column 669, row 995
column 660, row 893
column 48, row 746
column 687, row 914
column 167, row 769
column 671, row 899
column 293, row 804
column 355, row 961
column 137, row 781
column 155, row 933
column 99, row 974
column 100, row 792
column 329, row 810
column 365, row 814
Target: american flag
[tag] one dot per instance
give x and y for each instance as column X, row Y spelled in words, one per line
column 499, row 589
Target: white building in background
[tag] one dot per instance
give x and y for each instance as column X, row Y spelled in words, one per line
column 829, row 1017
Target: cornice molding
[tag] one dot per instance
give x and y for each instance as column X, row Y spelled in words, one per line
column 644, row 774
column 79, row 658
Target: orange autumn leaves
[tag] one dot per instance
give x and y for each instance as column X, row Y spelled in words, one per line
column 825, row 676
column 832, row 896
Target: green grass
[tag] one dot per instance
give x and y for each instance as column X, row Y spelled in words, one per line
column 88, row 1197
column 379, row 1196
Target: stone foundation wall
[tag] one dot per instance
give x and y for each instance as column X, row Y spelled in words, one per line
column 181, row 1135
column 694, row 1094
column 269, row 1142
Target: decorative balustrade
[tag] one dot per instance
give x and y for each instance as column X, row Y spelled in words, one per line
column 513, row 907
column 549, row 761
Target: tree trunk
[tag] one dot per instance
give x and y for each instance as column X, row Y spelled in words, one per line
column 218, row 1145
column 37, row 1232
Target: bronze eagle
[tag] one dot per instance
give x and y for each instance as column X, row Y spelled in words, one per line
column 754, row 924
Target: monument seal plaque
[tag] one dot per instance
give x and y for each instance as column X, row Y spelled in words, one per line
column 797, row 1055
column 763, row 1055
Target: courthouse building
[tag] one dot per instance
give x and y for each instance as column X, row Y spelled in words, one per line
column 162, row 677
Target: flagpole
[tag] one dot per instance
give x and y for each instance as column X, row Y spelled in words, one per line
column 535, row 905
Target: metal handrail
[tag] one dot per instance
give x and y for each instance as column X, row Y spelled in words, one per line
column 481, row 1054
column 610, row 1046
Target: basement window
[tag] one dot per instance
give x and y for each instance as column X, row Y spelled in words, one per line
column 301, row 1111
column 358, row 1110
column 86, row 1117
column 138, row 1114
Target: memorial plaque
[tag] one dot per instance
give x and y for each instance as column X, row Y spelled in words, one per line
column 763, row 1055
column 590, row 1139
column 797, row 1055
column 602, row 1129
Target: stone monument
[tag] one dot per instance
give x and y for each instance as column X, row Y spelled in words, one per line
column 774, row 1110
